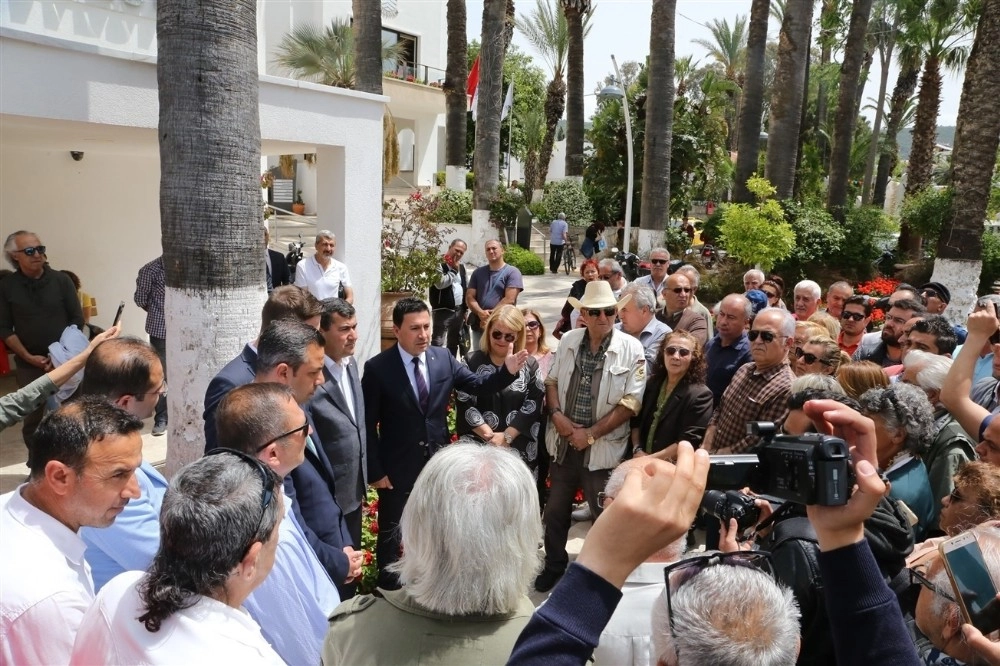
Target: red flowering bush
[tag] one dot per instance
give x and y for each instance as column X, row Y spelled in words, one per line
column 369, row 536
column 877, row 288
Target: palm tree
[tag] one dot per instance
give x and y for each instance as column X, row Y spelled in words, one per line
column 490, row 100
column 368, row 45
column 751, row 107
column 883, row 30
column 728, row 47
column 959, row 249
column 787, row 97
column 906, row 83
column 532, row 121
column 655, row 211
column 326, row 55
column 547, row 31
column 456, row 100
column 207, row 74
column 847, row 115
column 575, row 11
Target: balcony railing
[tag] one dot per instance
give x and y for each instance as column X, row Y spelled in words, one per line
column 416, row 73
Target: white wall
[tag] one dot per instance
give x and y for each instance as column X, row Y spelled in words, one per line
column 111, row 25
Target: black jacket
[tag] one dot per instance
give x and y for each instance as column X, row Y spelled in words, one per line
column 445, row 298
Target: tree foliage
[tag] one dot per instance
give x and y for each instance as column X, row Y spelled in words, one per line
column 758, row 233
column 567, row 196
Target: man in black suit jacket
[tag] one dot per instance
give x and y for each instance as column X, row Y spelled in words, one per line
column 288, row 302
column 407, row 389
column 276, row 267
column 337, row 410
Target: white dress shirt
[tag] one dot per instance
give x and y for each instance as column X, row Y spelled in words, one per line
column 625, row 639
column 321, row 282
column 408, row 365
column 339, row 371
column 209, row 632
column 46, row 584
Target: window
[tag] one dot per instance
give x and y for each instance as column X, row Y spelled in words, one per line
column 407, row 65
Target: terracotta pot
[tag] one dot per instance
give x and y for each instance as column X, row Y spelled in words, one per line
column 298, row 209
column 388, row 302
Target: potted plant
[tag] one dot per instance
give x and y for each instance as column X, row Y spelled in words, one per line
column 298, row 206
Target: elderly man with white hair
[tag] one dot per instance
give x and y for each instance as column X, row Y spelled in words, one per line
column 807, row 295
column 753, row 279
column 321, row 274
column 952, row 447
column 470, row 534
column 638, row 319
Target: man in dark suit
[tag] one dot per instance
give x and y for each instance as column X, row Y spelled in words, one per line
column 407, row 389
column 288, row 302
column 337, row 410
column 291, row 353
column 276, row 268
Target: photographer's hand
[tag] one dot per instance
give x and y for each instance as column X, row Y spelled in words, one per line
column 839, row 526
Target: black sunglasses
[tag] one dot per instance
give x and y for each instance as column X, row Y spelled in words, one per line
column 267, row 488
column 770, row 294
column 304, row 428
column 507, row 337
column 683, row 351
column 681, row 290
column 658, row 262
column 767, row 336
column 930, row 293
column 596, row 312
column 532, row 324
column 856, row 316
column 809, row 358
column 31, row 251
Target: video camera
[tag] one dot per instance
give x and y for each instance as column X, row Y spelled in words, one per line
column 805, row 469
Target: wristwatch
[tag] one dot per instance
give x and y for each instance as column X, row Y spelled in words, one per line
column 507, row 439
column 590, row 438
column 555, row 410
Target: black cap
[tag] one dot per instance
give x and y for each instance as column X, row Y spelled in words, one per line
column 941, row 290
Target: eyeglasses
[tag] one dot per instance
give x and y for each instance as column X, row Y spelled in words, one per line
column 685, row 570
column 673, row 351
column 532, row 324
column 681, row 290
column 267, row 487
column 930, row 293
column 32, row 251
column 809, row 358
column 766, row 336
column 607, row 277
column 608, row 312
column 162, row 391
column 658, row 262
column 770, row 294
column 856, row 316
column 956, row 496
column 918, row 578
column 304, row 428
column 507, row 337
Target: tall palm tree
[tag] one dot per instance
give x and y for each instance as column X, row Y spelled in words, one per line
column 532, row 121
column 751, row 107
column 902, row 91
column 368, row 45
column 655, row 210
column 787, row 96
column 457, row 103
column 847, row 115
column 883, row 31
column 206, row 71
column 546, row 29
column 959, row 249
column 575, row 11
column 490, row 100
column 728, row 47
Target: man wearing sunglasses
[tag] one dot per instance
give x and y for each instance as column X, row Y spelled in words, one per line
column 37, row 303
column 677, row 311
column 854, row 320
column 937, row 297
column 659, row 262
column 883, row 347
column 594, row 387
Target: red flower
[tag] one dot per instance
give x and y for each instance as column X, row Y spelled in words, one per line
column 367, row 557
column 579, row 496
column 373, row 528
column 454, row 438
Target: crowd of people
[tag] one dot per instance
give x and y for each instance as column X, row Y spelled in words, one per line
column 254, row 551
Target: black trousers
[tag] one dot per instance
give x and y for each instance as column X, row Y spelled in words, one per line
column 555, row 257
column 566, row 477
column 447, row 329
column 390, row 511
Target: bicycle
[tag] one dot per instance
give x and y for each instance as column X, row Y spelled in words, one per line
column 569, row 258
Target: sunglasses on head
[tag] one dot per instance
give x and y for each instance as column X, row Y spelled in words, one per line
column 681, row 290
column 809, row 358
column 32, row 251
column 766, row 336
column 658, row 262
column 608, row 312
column 856, row 316
column 673, row 351
column 532, row 324
column 507, row 337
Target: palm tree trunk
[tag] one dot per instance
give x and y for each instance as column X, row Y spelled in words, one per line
column 753, row 101
column 487, row 157
column 210, row 208
column 655, row 211
column 906, row 83
column 885, row 57
column 846, row 118
column 921, row 164
column 555, row 104
column 367, row 27
column 977, row 135
column 829, row 10
column 457, row 103
column 787, row 98
column 574, row 90
column 866, row 66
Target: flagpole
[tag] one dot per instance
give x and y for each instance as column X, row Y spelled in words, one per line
column 510, row 131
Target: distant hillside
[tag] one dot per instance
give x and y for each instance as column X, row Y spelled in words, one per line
column 945, row 136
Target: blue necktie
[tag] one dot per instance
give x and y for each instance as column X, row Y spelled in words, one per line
column 422, row 392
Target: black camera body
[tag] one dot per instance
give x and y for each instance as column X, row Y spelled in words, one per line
column 727, row 504
column 805, row 469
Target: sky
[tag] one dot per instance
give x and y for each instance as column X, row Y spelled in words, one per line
column 621, row 27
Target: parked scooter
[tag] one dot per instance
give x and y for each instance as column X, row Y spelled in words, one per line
column 294, row 256
column 630, row 264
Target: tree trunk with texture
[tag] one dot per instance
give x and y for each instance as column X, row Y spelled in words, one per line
column 753, row 101
column 906, row 83
column 574, row 93
column 456, row 100
column 846, row 118
column 210, row 208
column 921, row 164
column 367, row 26
column 555, row 104
column 884, row 59
column 786, row 100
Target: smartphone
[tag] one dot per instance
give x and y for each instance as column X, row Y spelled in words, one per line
column 975, row 589
column 118, row 315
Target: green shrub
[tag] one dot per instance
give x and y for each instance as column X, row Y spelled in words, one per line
column 716, row 285
column 991, row 263
column 470, row 180
column 676, row 241
column 567, row 196
column 926, row 212
column 525, row 261
column 504, row 207
column 867, row 232
column 757, row 233
column 711, row 227
column 453, row 207
column 440, row 179
column 816, row 233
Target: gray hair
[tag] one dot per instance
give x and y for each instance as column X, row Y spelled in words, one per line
column 811, row 286
column 660, row 249
column 744, row 302
column 903, row 407
column 612, row 264
column 286, row 341
column 561, row 216
column 931, row 368
column 703, row 609
column 753, row 272
column 787, row 320
column 11, row 244
column 456, row 242
column 816, row 381
column 692, row 273
column 840, row 284
column 642, row 296
column 471, row 529
column 325, row 233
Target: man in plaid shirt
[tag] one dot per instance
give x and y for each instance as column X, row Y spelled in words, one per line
column 149, row 289
column 759, row 390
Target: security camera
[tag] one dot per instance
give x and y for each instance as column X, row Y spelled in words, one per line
column 77, row 155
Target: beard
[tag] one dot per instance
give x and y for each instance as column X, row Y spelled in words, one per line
column 889, row 340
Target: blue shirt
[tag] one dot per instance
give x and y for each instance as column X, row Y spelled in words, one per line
column 294, row 601
column 557, row 232
column 722, row 362
column 983, row 368
column 130, row 543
